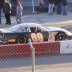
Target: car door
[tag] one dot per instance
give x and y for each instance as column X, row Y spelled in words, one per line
column 37, row 35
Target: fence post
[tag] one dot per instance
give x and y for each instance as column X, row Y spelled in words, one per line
column 33, row 55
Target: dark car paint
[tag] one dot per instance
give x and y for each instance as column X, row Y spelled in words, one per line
column 8, row 36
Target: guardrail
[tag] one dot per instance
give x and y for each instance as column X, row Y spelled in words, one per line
column 32, row 54
column 24, row 49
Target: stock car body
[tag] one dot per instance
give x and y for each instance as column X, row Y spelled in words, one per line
column 21, row 33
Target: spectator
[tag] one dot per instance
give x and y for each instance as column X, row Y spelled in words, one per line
column 19, row 11
column 1, row 5
column 50, row 7
column 40, row 7
column 7, row 11
column 58, row 4
column 41, row 2
column 64, row 2
column 0, row 16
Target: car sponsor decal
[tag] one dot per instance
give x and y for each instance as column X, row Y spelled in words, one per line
column 66, row 47
column 11, row 40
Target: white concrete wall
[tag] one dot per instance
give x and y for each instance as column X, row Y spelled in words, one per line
column 66, row 47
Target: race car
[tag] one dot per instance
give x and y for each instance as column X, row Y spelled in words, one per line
column 21, row 33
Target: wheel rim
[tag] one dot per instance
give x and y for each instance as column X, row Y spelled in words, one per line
column 61, row 36
column 21, row 39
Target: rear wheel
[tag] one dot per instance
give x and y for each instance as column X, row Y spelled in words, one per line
column 21, row 39
column 60, row 36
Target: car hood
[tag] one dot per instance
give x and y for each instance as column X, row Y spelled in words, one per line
column 4, row 30
column 59, row 29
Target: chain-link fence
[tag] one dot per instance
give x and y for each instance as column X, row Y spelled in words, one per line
column 34, row 56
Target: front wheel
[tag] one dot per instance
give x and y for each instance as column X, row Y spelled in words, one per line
column 60, row 36
column 21, row 39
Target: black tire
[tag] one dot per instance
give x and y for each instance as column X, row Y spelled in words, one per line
column 21, row 39
column 60, row 36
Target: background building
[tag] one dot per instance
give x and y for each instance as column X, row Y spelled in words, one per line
column 28, row 7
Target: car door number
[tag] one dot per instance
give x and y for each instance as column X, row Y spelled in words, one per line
column 37, row 37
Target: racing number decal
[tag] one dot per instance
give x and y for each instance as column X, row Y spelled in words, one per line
column 37, row 37
column 34, row 37
column 40, row 37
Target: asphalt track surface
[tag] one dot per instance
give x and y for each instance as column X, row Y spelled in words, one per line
column 40, row 60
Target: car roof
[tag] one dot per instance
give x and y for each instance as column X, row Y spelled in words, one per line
column 32, row 25
column 14, row 27
column 29, row 24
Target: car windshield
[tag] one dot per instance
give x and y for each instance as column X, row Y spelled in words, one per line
column 14, row 28
column 18, row 28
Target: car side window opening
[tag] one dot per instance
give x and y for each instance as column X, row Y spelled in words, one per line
column 33, row 29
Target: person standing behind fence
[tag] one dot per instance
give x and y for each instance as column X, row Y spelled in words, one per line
column 0, row 11
column 40, row 7
column 19, row 11
column 50, row 7
column 64, row 2
column 58, row 4
column 1, row 5
column 7, row 11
